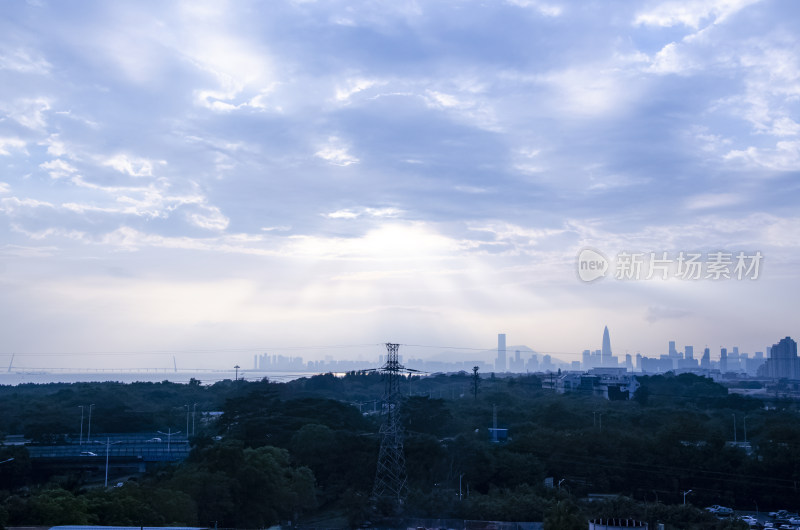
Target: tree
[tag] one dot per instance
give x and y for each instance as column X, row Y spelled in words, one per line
column 564, row 516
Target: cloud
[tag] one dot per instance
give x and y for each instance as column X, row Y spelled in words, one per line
column 336, row 153
column 785, row 126
column 24, row 61
column 14, row 205
column 387, row 212
column 713, row 200
column 784, row 157
column 467, row 105
column 355, row 85
column 691, row 13
column 135, row 167
column 211, row 219
column 547, row 9
column 656, row 314
column 9, row 144
column 471, row 189
column 591, row 90
column 672, row 59
column 388, row 241
column 29, row 112
column 4, row 187
column 342, row 214
column 58, row 168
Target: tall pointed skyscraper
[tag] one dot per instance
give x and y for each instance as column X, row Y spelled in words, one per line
column 605, row 358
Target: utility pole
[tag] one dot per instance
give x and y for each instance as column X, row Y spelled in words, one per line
column 237, row 372
column 81, row 442
column 745, row 428
column 476, row 381
column 494, row 423
column 89, row 435
column 194, row 411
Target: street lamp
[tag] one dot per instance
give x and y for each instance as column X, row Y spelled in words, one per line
column 108, row 444
column 685, row 493
column 169, row 435
column 81, row 407
column 459, row 485
column 89, row 434
column 745, row 428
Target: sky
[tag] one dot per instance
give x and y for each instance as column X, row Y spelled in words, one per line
column 210, row 180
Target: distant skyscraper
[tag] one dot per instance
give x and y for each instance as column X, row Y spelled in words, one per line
column 500, row 365
column 783, row 361
column 688, row 352
column 628, row 362
column 639, row 361
column 606, row 352
column 672, row 351
column 587, row 360
column 705, row 361
column 723, row 360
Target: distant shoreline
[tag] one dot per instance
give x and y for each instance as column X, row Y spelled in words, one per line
column 205, row 377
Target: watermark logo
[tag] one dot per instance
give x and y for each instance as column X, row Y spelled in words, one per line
column 592, row 264
column 683, row 265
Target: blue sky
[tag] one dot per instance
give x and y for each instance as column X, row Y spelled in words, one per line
column 228, row 177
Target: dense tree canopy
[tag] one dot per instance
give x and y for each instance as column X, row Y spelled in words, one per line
column 307, row 451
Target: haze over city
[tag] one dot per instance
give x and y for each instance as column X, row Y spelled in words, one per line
column 214, row 180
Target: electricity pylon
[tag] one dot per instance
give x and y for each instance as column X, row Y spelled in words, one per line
column 390, row 476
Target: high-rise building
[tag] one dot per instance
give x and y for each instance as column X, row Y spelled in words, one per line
column 500, row 364
column 705, row 360
column 639, row 361
column 688, row 352
column 672, row 351
column 606, row 351
column 587, row 360
column 723, row 360
column 783, row 361
column 533, row 363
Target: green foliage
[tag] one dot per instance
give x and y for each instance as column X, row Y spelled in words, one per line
column 425, row 415
column 289, row 449
column 565, row 515
column 245, row 487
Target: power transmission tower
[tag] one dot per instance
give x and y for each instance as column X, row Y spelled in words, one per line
column 390, row 476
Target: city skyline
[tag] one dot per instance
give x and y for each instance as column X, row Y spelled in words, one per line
column 445, row 357
column 206, row 178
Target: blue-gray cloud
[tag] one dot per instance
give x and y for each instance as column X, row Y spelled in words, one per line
column 466, row 148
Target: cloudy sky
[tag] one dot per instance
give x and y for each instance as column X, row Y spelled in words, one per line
column 214, row 179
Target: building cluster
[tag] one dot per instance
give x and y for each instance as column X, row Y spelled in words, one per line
column 614, row 384
column 519, row 364
column 781, row 362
